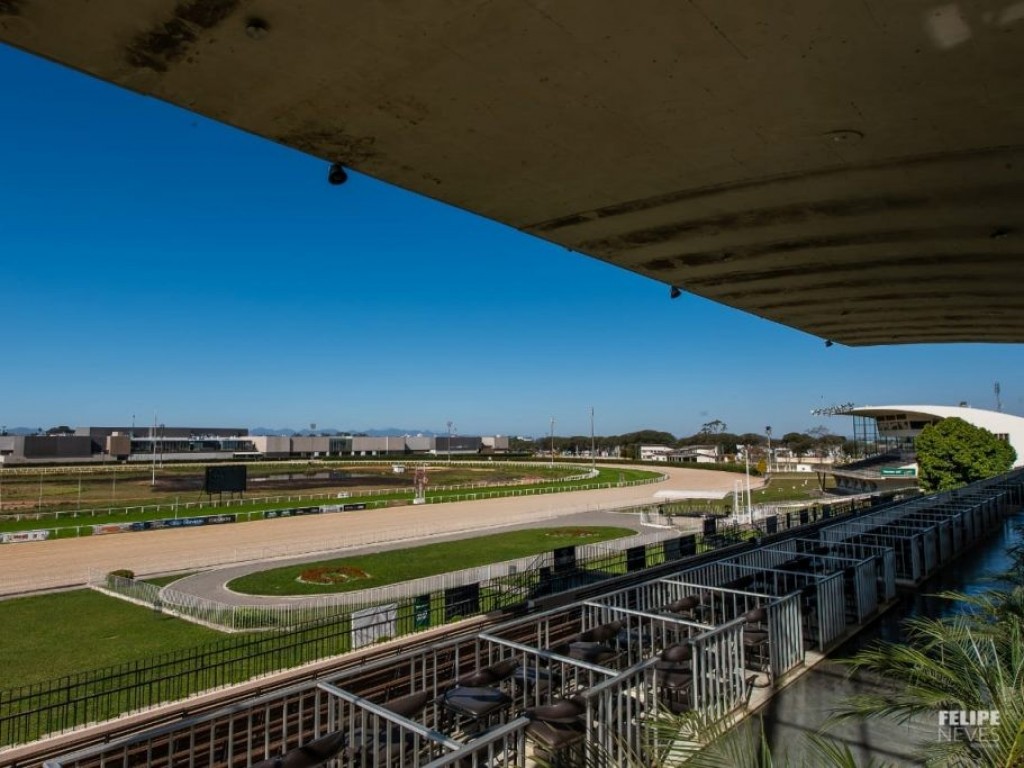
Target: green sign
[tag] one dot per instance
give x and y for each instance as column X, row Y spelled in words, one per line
column 421, row 611
column 898, row 472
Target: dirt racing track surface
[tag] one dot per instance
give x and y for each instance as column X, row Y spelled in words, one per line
column 64, row 562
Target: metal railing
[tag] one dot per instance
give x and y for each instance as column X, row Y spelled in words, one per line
column 56, row 706
column 494, row 576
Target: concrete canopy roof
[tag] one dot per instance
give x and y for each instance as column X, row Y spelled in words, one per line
column 994, row 421
column 997, row 422
column 853, row 170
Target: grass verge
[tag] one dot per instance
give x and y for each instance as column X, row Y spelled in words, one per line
column 53, row 635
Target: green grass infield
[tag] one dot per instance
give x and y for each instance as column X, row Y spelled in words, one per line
column 381, row 568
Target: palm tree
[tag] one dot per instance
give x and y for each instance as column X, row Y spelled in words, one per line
column 970, row 661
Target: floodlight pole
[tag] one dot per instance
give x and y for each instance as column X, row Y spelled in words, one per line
column 449, row 441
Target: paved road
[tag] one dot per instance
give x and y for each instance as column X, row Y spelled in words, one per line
column 35, row 565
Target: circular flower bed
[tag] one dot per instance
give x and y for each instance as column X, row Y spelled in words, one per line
column 332, row 574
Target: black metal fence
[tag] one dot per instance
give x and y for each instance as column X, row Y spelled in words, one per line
column 30, row 712
column 57, row 705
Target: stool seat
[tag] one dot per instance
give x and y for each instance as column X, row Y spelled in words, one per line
column 565, row 711
column 593, row 652
column 407, row 706
column 312, row 753
column 555, row 736
column 475, row 702
column 677, row 680
column 683, row 604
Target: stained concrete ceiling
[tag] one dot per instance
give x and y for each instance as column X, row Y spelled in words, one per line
column 851, row 169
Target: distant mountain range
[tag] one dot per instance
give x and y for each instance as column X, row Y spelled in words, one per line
column 386, row 432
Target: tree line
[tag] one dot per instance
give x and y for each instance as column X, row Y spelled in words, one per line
column 815, row 441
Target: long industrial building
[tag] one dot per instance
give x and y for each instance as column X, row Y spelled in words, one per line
column 131, row 444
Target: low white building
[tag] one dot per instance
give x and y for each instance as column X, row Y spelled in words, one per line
column 696, row 454
column 655, row 452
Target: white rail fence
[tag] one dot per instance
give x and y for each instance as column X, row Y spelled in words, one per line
column 298, row 609
column 259, row 513
column 13, row 584
column 175, row 507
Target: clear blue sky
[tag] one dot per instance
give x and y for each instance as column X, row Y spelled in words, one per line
column 154, row 261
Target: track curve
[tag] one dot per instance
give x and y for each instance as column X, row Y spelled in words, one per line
column 72, row 561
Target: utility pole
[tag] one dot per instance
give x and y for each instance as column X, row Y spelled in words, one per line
column 593, row 451
column 746, row 460
column 768, row 431
column 552, row 442
column 152, row 436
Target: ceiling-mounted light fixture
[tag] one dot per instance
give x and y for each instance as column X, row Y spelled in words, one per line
column 256, row 28
column 336, row 175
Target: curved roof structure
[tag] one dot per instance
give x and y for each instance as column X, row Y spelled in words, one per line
column 854, row 170
column 900, row 420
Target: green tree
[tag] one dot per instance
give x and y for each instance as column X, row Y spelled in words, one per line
column 798, row 442
column 852, row 449
column 953, row 453
column 715, row 427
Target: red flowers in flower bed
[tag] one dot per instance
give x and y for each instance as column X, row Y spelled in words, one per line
column 332, row 574
column 580, row 533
